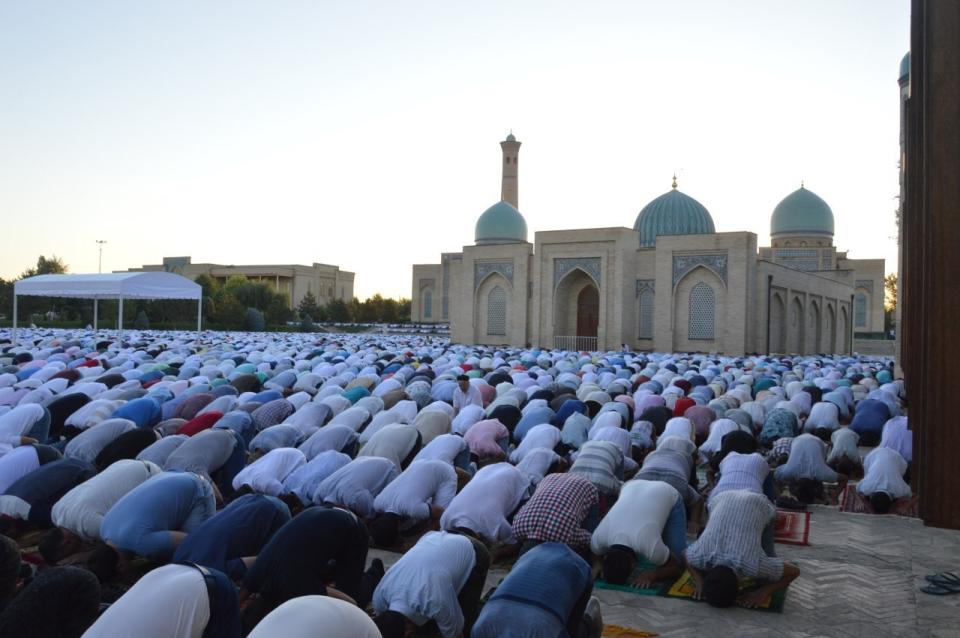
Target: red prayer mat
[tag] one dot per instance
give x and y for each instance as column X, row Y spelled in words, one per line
column 854, row 502
column 792, row 528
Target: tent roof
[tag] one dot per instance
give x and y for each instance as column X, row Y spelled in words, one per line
column 129, row 285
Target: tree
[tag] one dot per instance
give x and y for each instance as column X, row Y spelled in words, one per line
column 52, row 266
column 338, row 311
column 308, row 306
column 890, row 290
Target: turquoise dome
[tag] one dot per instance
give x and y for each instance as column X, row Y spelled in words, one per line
column 673, row 213
column 500, row 224
column 905, row 67
column 802, row 212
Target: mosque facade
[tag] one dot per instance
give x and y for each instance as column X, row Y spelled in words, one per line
column 670, row 283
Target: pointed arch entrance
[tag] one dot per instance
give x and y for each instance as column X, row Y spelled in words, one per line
column 577, row 312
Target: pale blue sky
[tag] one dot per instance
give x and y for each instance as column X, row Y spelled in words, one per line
column 365, row 134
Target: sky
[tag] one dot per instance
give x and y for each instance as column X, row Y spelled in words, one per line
column 365, row 134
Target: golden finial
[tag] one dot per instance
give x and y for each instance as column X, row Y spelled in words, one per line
column 674, row 181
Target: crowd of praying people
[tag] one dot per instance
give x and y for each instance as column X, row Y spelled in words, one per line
column 233, row 484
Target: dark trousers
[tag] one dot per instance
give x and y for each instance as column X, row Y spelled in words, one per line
column 238, row 458
column 576, row 626
column 413, row 452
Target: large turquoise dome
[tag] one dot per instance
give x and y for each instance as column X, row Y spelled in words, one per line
column 802, row 212
column 673, row 213
column 500, row 224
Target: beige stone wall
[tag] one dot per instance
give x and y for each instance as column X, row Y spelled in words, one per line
column 425, row 284
column 868, row 280
column 605, row 259
column 482, row 269
column 733, row 297
column 808, row 312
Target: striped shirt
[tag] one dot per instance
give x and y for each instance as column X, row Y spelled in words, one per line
column 599, row 462
column 732, row 536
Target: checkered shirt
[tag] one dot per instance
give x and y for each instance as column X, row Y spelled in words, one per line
column 271, row 413
column 780, row 447
column 556, row 511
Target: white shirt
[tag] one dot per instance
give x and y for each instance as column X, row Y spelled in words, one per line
column 81, row 510
column 543, row 435
column 266, row 474
column 17, row 423
column 536, row 463
column 462, row 399
column 304, row 480
column 424, row 584
column 883, row 472
column 637, row 519
column 92, row 413
column 483, row 505
column 17, row 464
column 301, row 617
column 469, row 415
column 844, row 443
column 169, row 601
column 394, row 442
column 356, row 484
column 445, row 447
column 421, row 485
column 329, row 437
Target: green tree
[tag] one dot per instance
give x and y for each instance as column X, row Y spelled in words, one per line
column 890, row 290
column 308, row 305
column 52, row 266
column 338, row 311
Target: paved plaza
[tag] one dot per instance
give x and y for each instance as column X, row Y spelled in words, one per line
column 860, row 576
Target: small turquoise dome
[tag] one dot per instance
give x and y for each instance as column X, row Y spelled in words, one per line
column 673, row 213
column 802, row 212
column 511, row 137
column 501, row 224
column 905, row 67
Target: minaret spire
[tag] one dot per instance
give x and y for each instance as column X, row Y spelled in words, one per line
column 509, row 186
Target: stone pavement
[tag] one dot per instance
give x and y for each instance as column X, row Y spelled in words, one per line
column 860, row 576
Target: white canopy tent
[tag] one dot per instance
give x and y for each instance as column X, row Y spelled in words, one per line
column 120, row 286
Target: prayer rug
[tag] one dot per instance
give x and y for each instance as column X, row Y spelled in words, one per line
column 684, row 588
column 640, row 567
column 854, row 502
column 616, row 631
column 792, row 528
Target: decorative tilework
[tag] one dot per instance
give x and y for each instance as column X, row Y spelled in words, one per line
column 427, row 281
column 645, row 284
column 497, row 312
column 483, row 268
column 702, row 310
column 563, row 265
column 866, row 284
column 682, row 264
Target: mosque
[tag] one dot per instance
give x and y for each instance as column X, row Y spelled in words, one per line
column 671, row 283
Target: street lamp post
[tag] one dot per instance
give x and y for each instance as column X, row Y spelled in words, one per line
column 100, row 243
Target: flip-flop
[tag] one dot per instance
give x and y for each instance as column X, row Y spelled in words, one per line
column 940, row 590
column 944, row 577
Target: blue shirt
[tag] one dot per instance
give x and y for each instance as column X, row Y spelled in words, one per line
column 144, row 412
column 142, row 520
column 241, row 529
column 537, row 597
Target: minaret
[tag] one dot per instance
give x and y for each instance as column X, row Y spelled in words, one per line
column 508, row 184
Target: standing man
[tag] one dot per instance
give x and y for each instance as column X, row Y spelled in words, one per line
column 465, row 394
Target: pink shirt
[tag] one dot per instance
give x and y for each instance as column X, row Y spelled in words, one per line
column 482, row 438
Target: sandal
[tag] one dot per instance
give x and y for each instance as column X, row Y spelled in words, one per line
column 948, row 578
column 940, row 590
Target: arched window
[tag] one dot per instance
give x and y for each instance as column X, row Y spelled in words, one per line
column 646, row 314
column 702, row 311
column 860, row 310
column 427, row 305
column 497, row 312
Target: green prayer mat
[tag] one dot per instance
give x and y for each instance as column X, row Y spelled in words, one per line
column 639, row 567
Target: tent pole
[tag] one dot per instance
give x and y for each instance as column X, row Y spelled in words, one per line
column 14, row 318
column 120, row 320
column 199, row 315
column 95, row 314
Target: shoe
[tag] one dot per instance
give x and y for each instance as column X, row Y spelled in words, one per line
column 376, row 570
column 593, row 619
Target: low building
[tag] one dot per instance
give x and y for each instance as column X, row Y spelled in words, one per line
column 324, row 281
